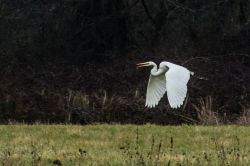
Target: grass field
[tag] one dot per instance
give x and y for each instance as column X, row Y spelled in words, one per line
column 124, row 145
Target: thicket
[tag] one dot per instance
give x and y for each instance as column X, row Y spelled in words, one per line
column 74, row 61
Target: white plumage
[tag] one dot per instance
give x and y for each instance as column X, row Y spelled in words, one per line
column 156, row 89
column 170, row 78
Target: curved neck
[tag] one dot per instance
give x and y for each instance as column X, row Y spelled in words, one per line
column 157, row 72
column 154, row 69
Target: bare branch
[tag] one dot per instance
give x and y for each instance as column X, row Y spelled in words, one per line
column 181, row 6
column 147, row 11
column 194, row 58
column 130, row 6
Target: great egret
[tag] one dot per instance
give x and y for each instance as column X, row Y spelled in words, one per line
column 170, row 78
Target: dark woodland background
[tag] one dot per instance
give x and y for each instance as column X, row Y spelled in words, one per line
column 74, row 60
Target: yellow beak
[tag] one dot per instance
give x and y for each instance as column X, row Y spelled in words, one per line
column 138, row 65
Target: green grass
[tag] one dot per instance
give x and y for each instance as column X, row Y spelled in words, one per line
column 124, row 145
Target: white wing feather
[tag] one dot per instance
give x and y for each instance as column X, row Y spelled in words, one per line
column 177, row 78
column 155, row 90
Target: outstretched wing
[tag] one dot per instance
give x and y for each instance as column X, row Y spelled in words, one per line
column 155, row 90
column 177, row 78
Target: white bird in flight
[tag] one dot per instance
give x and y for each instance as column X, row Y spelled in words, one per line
column 170, row 78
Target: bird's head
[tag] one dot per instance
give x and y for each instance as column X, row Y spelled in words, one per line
column 145, row 64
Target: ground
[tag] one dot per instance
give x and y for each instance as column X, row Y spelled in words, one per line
column 124, row 145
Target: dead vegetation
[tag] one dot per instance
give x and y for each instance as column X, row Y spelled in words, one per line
column 206, row 111
column 244, row 118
